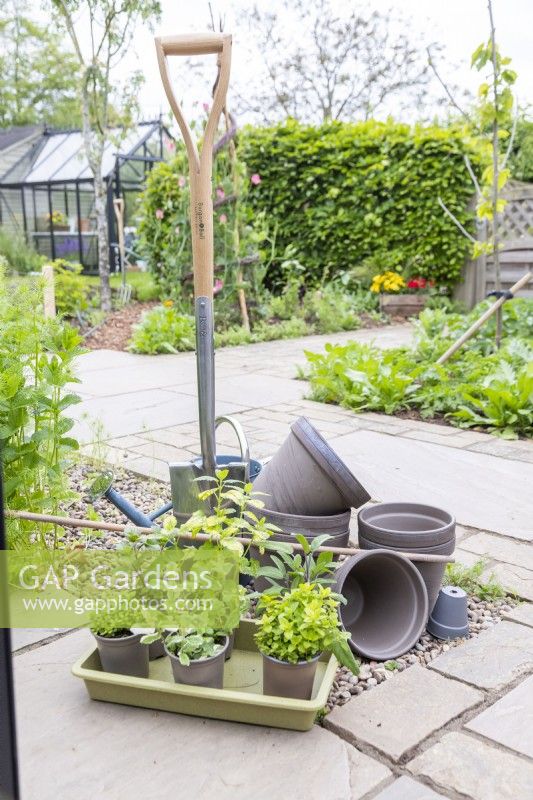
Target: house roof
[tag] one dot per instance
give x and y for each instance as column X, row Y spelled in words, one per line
column 59, row 156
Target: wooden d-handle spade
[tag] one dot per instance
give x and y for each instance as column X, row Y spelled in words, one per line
column 200, row 173
column 200, row 163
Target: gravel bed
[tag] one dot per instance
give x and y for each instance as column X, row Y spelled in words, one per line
column 145, row 494
column 482, row 614
column 149, row 494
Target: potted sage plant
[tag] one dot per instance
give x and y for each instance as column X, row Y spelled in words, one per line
column 197, row 658
column 295, row 628
column 119, row 648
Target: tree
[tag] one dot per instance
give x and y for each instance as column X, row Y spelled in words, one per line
column 321, row 65
column 492, row 122
column 38, row 78
column 111, row 24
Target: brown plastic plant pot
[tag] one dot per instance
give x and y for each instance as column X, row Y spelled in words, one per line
column 307, row 477
column 282, row 679
column 337, row 526
column 203, row 672
column 124, row 655
column 413, row 528
column 386, row 603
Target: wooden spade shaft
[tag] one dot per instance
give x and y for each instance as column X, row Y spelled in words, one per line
column 72, row 522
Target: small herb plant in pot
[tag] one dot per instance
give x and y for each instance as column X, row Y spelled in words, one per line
column 120, row 649
column 197, row 658
column 294, row 630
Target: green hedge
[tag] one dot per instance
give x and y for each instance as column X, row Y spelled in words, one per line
column 348, row 194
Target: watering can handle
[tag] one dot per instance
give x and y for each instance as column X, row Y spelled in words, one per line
column 200, row 163
column 243, row 441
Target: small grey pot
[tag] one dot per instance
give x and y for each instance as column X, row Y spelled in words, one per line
column 289, row 680
column 449, row 618
column 124, row 655
column 204, row 672
column 231, row 642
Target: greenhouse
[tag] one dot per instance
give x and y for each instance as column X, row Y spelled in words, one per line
column 48, row 192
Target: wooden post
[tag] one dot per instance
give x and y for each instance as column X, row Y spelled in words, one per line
column 49, row 295
column 118, row 205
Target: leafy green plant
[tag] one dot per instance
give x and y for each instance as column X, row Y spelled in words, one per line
column 71, row 290
column 18, row 254
column 502, row 402
column 291, row 569
column 37, row 356
column 301, row 624
column 162, row 330
column 471, row 580
column 230, row 512
column 111, row 624
column 191, row 645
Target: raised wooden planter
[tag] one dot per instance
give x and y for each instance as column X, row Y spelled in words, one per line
column 402, row 305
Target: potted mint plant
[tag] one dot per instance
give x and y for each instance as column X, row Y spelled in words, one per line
column 294, row 630
column 197, row 658
column 119, row 648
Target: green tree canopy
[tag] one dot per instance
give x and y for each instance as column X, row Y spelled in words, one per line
column 39, row 76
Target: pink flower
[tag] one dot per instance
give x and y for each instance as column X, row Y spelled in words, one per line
column 223, row 219
column 220, row 192
column 219, row 285
column 171, row 145
column 256, row 179
column 205, row 107
column 159, row 213
column 182, row 181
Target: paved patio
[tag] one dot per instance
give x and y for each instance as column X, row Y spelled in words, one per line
column 461, row 728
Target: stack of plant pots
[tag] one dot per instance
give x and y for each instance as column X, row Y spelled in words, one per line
column 412, row 528
column 307, row 489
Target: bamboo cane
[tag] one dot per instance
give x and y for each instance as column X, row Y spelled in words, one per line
column 72, row 522
column 483, row 318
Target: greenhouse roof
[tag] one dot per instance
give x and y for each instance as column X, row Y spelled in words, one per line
column 60, row 155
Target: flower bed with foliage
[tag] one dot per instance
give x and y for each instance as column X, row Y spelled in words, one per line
column 479, row 387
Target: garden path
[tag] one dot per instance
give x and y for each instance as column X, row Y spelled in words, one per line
column 459, row 729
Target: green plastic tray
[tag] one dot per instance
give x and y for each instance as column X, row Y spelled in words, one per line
column 241, row 699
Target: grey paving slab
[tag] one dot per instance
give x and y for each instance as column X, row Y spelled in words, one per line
column 406, row 788
column 521, row 451
column 514, row 578
column 126, row 414
column 482, row 491
column 399, row 714
column 502, row 548
column 476, row 770
column 72, row 747
column 510, row 720
column 365, row 772
column 522, row 613
column 22, row 637
column 491, row 660
column 138, row 377
column 252, row 390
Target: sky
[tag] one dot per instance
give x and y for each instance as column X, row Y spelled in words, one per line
column 459, row 25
